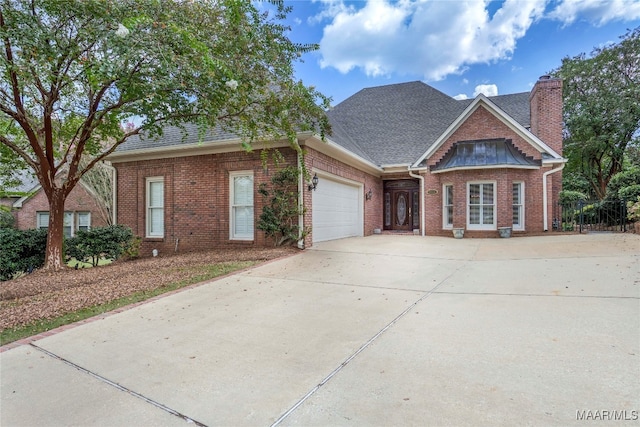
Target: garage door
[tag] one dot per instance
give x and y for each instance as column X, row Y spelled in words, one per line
column 337, row 211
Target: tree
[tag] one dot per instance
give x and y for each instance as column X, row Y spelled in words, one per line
column 99, row 179
column 73, row 71
column 601, row 109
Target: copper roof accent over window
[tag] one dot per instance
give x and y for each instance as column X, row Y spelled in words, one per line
column 484, row 153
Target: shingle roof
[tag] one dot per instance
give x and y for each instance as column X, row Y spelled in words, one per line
column 396, row 124
column 173, row 135
column 27, row 182
column 386, row 125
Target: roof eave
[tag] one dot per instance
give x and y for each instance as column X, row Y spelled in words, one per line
column 332, row 149
column 185, row 150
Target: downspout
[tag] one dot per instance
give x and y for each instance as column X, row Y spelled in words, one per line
column 422, row 216
column 545, row 202
column 300, row 204
column 114, row 198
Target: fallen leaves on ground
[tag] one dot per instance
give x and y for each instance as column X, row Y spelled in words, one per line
column 46, row 295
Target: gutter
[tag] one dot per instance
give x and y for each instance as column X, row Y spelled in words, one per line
column 545, row 202
column 422, row 216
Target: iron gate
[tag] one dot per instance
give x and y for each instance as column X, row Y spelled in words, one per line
column 585, row 216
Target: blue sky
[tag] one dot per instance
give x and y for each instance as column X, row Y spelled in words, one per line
column 461, row 48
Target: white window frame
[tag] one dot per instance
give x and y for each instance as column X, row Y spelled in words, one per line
column 39, row 216
column 149, row 233
column 520, row 205
column 68, row 215
column 446, row 206
column 482, row 226
column 88, row 215
column 232, row 207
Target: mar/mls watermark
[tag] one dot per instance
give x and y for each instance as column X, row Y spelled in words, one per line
column 607, row 415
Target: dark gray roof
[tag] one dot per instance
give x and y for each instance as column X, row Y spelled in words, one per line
column 393, row 124
column 396, row 124
column 515, row 105
column 173, row 135
column 26, row 182
column 386, row 125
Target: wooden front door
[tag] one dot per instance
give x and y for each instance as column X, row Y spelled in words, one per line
column 401, row 205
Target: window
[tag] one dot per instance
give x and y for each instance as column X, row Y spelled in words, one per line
column 241, row 203
column 518, row 205
column 71, row 222
column 67, row 224
column 42, row 220
column 447, row 206
column 155, row 207
column 481, row 206
column 84, row 221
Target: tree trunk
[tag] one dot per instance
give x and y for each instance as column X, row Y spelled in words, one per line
column 55, row 237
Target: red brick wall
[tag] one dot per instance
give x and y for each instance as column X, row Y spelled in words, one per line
column 79, row 200
column 546, row 121
column 372, row 208
column 546, row 112
column 196, row 198
column 484, row 125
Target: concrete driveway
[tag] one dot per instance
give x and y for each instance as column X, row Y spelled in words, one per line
column 382, row 330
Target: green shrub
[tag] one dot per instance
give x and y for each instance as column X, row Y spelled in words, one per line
column 7, row 220
column 568, row 196
column 625, row 184
column 133, row 250
column 631, row 192
column 21, row 251
column 101, row 242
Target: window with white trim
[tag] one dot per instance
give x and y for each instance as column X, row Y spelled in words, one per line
column 447, row 206
column 67, row 224
column 42, row 220
column 84, row 221
column 155, row 207
column 481, row 206
column 518, row 205
column 71, row 222
column 241, row 205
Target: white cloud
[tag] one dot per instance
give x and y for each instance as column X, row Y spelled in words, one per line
column 487, row 90
column 428, row 38
column 598, row 12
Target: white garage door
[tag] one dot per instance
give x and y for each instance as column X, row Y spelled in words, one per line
column 337, row 211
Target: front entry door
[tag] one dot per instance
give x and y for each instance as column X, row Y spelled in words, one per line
column 401, row 205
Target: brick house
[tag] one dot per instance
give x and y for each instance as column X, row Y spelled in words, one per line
column 81, row 210
column 402, row 158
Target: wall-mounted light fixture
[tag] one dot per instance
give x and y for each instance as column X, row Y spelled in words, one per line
column 314, row 182
column 368, row 195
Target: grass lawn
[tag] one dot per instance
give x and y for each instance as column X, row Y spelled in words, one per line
column 74, row 262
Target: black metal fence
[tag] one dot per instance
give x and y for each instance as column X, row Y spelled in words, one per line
column 585, row 216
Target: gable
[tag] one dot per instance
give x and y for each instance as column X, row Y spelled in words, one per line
column 505, row 127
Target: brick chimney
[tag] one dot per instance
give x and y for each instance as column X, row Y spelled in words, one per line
column 545, row 101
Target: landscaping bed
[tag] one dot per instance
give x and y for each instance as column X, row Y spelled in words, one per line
column 44, row 295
